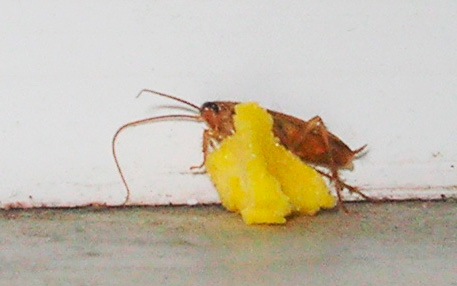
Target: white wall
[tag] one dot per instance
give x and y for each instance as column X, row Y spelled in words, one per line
column 378, row 72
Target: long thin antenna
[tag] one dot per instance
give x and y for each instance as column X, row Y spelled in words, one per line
column 136, row 123
column 169, row 96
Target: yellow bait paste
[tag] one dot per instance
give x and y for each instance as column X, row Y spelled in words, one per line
column 259, row 178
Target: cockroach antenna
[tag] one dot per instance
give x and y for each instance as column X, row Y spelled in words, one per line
column 169, row 96
column 150, row 120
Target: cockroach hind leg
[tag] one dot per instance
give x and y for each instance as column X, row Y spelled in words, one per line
column 316, row 123
column 334, row 178
column 342, row 185
column 358, row 192
column 339, row 190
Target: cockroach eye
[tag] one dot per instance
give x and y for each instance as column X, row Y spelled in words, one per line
column 211, row 106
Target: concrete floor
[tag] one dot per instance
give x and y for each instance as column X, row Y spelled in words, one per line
column 413, row 243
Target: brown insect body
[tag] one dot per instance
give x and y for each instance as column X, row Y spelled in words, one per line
column 309, row 140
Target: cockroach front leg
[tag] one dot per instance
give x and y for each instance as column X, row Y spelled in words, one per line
column 207, row 135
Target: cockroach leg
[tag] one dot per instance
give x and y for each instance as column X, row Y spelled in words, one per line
column 198, row 168
column 207, row 135
column 348, row 187
column 317, row 125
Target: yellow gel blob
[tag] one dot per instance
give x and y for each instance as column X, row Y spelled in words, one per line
column 259, row 178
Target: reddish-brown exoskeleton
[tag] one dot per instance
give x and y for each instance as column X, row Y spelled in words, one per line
column 309, row 140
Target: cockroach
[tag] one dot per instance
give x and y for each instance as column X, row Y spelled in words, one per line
column 309, row 140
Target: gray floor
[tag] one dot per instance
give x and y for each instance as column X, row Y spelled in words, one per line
column 412, row 243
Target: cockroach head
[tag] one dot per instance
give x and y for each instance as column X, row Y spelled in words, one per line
column 210, row 106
